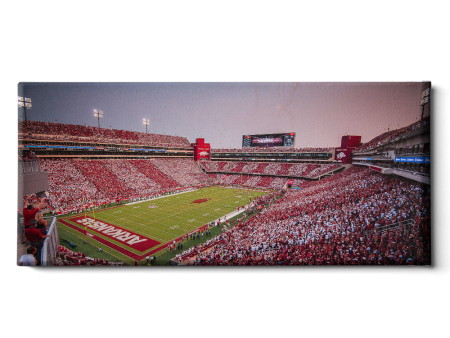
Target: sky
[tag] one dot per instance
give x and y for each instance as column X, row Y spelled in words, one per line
column 222, row 112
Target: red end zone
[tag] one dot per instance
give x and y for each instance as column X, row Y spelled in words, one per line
column 126, row 237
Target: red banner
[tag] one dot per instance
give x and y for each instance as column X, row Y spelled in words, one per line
column 376, row 168
column 202, row 150
column 344, row 155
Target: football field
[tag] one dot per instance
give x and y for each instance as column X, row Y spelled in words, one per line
column 138, row 229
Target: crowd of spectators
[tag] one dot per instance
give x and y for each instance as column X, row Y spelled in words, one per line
column 278, row 183
column 105, row 180
column 69, row 132
column 75, row 183
column 321, row 169
column 183, row 170
column 227, row 179
column 130, row 175
column 67, row 257
column 150, row 170
column 336, row 221
column 67, row 185
column 306, row 170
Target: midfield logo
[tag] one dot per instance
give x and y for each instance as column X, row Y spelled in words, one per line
column 201, row 200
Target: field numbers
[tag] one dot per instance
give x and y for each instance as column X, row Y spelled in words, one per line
column 191, row 220
column 205, row 214
column 218, row 209
column 174, row 227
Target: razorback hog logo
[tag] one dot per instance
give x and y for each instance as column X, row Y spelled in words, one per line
column 203, row 153
column 341, row 155
column 201, row 200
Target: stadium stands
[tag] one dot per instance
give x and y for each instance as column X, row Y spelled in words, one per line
column 150, row 170
column 57, row 131
column 336, row 221
column 357, row 216
column 106, row 181
column 305, row 170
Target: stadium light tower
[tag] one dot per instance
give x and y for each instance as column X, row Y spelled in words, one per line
column 24, row 102
column 99, row 115
column 146, row 123
column 425, row 99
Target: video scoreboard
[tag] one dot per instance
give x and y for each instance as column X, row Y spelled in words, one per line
column 269, row 140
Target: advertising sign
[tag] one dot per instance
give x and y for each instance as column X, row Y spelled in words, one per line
column 413, row 159
column 269, row 140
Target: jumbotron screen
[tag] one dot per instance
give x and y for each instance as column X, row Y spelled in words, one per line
column 269, row 140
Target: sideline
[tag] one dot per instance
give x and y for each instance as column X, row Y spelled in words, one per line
column 151, row 199
column 233, row 213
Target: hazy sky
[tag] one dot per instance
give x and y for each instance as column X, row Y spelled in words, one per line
column 319, row 113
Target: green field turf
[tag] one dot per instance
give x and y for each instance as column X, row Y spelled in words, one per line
column 175, row 215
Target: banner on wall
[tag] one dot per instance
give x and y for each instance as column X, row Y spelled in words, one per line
column 202, row 150
column 413, row 159
column 344, row 155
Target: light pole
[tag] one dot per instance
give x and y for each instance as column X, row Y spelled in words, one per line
column 425, row 99
column 146, row 123
column 99, row 115
column 24, row 102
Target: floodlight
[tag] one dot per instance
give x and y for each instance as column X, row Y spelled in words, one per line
column 146, row 123
column 24, row 102
column 99, row 115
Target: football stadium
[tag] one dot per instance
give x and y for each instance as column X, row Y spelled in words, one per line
column 96, row 195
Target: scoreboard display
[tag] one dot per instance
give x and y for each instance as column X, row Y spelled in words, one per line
column 269, row 140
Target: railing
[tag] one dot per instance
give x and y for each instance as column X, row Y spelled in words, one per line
column 29, row 166
column 50, row 248
column 412, row 172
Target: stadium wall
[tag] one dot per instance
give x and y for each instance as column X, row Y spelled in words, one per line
column 30, row 183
